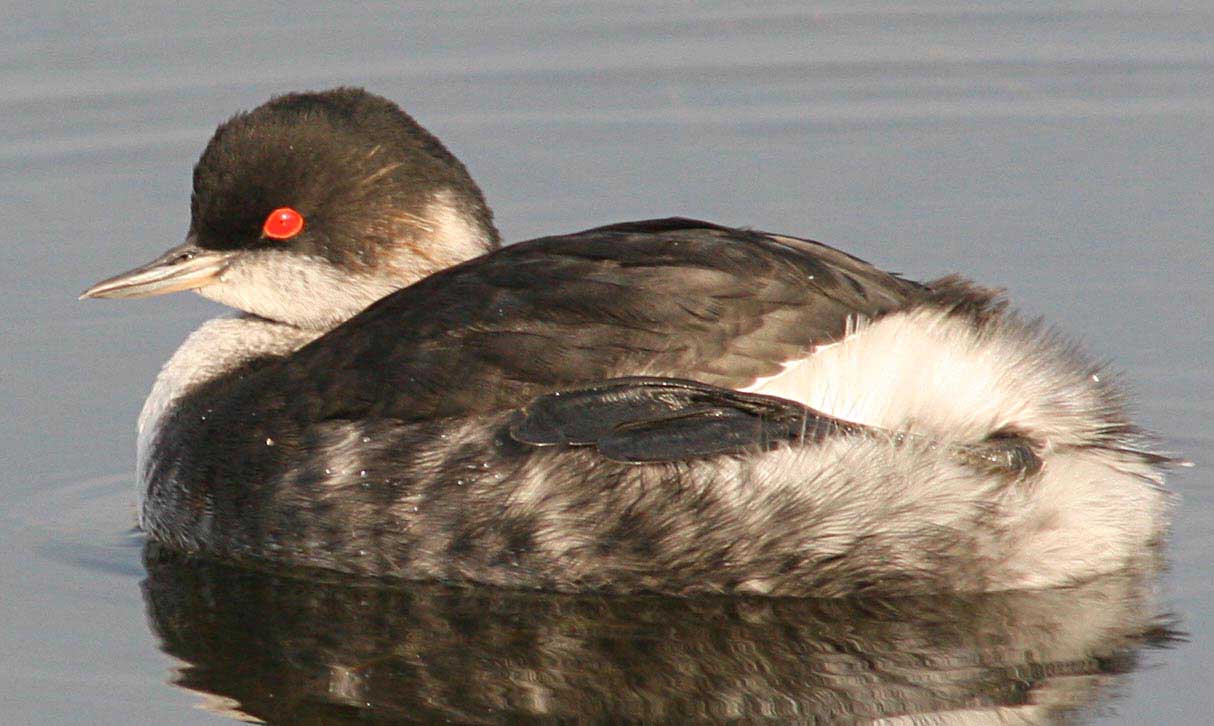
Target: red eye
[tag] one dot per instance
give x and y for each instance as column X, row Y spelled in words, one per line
column 283, row 223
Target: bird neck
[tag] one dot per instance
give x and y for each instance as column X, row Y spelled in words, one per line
column 220, row 346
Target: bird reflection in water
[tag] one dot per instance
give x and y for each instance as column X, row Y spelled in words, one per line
column 301, row 650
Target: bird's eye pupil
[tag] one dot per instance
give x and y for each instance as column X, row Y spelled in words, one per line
column 283, row 223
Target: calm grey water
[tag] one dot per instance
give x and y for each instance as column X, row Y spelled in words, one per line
column 1064, row 151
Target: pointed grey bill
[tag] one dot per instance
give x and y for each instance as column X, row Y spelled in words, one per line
column 185, row 267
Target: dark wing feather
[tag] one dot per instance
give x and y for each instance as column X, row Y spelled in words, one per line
column 644, row 420
column 666, row 298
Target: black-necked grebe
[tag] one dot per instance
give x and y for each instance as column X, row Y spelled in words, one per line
column 666, row 405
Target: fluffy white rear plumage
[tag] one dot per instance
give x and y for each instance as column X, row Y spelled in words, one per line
column 943, row 376
column 1093, row 506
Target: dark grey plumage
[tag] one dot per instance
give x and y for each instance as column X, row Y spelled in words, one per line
column 415, row 396
column 810, row 424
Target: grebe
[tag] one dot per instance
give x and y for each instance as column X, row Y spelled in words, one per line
column 665, row 405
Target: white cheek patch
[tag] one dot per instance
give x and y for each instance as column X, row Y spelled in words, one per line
column 457, row 236
column 312, row 292
column 303, row 291
column 949, row 378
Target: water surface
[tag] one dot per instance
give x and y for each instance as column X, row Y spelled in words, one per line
column 1062, row 152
